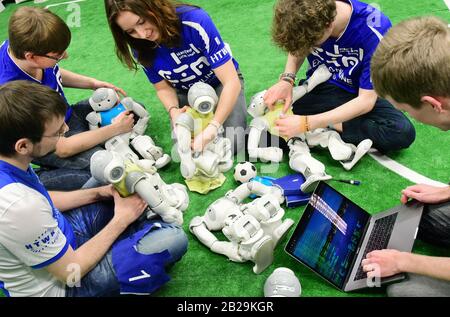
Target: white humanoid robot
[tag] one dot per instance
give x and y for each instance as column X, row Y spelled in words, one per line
column 130, row 175
column 107, row 106
column 216, row 156
column 253, row 229
column 300, row 157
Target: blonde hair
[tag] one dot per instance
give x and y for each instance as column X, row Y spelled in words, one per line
column 298, row 25
column 413, row 60
column 38, row 31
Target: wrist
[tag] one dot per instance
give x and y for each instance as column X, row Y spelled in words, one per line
column 304, row 124
column 169, row 110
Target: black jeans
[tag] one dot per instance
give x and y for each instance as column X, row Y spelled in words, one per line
column 388, row 128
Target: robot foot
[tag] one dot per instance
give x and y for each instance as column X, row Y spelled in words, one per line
column 272, row 154
column 162, row 161
column 311, row 182
column 263, row 255
column 187, row 168
column 363, row 147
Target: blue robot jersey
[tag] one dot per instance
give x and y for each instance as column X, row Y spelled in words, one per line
column 10, row 71
column 201, row 51
column 348, row 57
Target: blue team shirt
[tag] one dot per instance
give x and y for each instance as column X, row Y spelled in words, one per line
column 201, row 51
column 9, row 71
column 348, row 57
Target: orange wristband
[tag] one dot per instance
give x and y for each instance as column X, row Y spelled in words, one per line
column 304, row 126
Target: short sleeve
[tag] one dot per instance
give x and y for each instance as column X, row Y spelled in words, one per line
column 29, row 231
column 207, row 37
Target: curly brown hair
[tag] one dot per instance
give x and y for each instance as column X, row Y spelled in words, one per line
column 298, row 25
column 161, row 13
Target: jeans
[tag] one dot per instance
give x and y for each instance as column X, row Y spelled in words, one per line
column 68, row 173
column 434, row 228
column 88, row 220
column 388, row 128
column 236, row 124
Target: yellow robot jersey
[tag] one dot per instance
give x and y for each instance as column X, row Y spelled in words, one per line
column 201, row 121
column 120, row 186
column 273, row 115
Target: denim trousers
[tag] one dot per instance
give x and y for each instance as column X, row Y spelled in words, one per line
column 101, row 281
column 387, row 127
column 68, row 173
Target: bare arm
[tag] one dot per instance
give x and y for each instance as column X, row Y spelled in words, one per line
column 80, row 142
column 385, row 263
column 74, row 199
column 231, row 89
column 89, row 254
column 362, row 104
column 168, row 97
column 74, row 80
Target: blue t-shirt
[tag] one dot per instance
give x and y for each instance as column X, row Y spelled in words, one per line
column 201, row 51
column 10, row 71
column 348, row 57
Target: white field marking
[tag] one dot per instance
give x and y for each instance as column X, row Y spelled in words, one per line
column 59, row 4
column 403, row 170
column 447, row 2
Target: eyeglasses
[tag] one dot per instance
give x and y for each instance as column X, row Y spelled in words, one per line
column 57, row 59
column 58, row 134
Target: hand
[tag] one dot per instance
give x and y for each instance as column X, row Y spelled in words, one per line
column 280, row 91
column 202, row 139
column 103, row 84
column 174, row 113
column 290, row 126
column 426, row 194
column 105, row 192
column 124, row 122
column 128, row 209
column 383, row 263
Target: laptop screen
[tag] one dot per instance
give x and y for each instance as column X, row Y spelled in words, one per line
column 328, row 234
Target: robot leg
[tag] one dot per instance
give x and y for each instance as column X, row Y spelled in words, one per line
column 272, row 154
column 222, row 147
column 300, row 160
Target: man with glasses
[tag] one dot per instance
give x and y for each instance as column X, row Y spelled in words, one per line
column 64, row 243
column 38, row 41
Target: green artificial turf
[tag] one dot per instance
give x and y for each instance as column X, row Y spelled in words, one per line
column 245, row 25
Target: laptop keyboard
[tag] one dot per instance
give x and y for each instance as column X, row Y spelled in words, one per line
column 378, row 240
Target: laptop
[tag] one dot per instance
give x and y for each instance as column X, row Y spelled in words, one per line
column 334, row 235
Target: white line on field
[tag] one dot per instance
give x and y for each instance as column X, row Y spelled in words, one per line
column 58, row 4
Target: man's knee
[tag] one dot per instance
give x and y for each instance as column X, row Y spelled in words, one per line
column 393, row 136
column 435, row 224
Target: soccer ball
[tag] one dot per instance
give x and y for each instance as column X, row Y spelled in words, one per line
column 244, row 171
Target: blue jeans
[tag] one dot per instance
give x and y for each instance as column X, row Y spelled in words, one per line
column 68, row 173
column 388, row 128
column 88, row 220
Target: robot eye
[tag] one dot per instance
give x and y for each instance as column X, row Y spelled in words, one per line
column 109, row 100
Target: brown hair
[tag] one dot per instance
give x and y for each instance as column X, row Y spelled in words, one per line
column 161, row 13
column 413, row 60
column 299, row 24
column 25, row 108
column 38, row 31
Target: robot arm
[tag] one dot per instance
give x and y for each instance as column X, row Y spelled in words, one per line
column 94, row 119
column 145, row 146
column 141, row 125
column 246, row 189
column 184, row 127
column 273, row 154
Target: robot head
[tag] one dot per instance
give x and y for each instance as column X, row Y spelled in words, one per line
column 202, row 97
column 107, row 167
column 282, row 283
column 257, row 107
column 103, row 99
